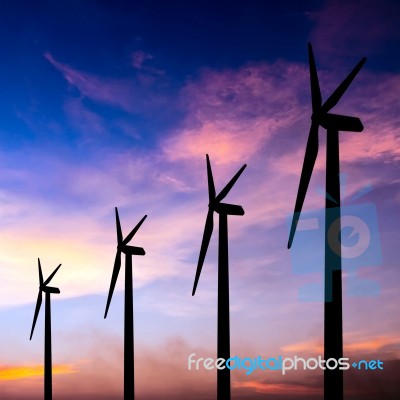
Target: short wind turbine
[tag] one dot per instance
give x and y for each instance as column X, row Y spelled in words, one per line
column 333, row 123
column 129, row 251
column 48, row 290
column 223, row 209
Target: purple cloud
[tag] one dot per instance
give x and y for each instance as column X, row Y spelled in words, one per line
column 343, row 26
column 139, row 57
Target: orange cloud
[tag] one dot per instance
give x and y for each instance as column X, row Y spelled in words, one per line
column 373, row 345
column 33, row 371
column 276, row 388
column 362, row 346
column 309, row 346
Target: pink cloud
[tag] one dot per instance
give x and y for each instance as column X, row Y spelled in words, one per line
column 221, row 139
column 233, row 114
column 260, row 115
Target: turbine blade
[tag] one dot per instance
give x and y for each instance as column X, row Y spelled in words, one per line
column 306, row 172
column 338, row 93
column 119, row 230
column 40, row 273
column 134, row 230
column 208, row 229
column 51, row 276
column 117, row 267
column 211, row 186
column 37, row 309
column 315, row 90
column 229, row 186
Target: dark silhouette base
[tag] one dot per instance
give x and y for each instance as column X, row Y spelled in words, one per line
column 333, row 323
column 223, row 333
column 129, row 384
column 129, row 251
column 48, row 393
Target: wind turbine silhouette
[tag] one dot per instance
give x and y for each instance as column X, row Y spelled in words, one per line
column 47, row 326
column 333, row 123
column 129, row 251
column 223, row 209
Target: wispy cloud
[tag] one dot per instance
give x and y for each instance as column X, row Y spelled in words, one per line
column 115, row 92
column 85, row 121
column 133, row 95
column 139, row 57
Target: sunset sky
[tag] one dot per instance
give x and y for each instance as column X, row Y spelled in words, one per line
column 113, row 103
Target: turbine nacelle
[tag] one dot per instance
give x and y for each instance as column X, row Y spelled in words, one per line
column 338, row 122
column 228, row 209
column 50, row 289
column 342, row 123
column 132, row 250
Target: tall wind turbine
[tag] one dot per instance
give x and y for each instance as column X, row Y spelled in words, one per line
column 223, row 209
column 129, row 251
column 333, row 123
column 47, row 326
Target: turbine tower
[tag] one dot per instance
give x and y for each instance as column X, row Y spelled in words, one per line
column 333, row 123
column 223, row 209
column 48, row 290
column 129, row 251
